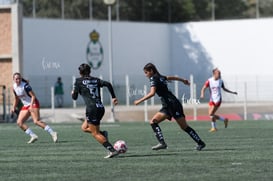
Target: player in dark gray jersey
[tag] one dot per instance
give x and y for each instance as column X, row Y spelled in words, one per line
column 89, row 88
column 171, row 107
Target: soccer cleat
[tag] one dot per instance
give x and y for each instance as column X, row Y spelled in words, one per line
column 33, row 139
column 226, row 122
column 54, row 136
column 199, row 147
column 160, row 146
column 112, row 154
column 212, row 130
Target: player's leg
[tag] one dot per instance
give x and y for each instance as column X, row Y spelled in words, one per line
column 35, row 114
column 96, row 133
column 212, row 110
column 217, row 117
column 93, row 118
column 85, row 128
column 154, row 122
column 22, row 117
column 184, row 126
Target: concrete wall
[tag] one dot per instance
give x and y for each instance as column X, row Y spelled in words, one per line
column 241, row 49
column 57, row 47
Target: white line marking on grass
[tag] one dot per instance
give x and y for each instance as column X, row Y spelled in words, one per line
column 236, row 163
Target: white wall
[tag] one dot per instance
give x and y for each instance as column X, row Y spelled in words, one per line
column 241, row 49
column 61, row 46
column 65, row 42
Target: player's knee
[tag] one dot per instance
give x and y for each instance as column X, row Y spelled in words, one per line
column 211, row 116
column 19, row 123
column 84, row 128
column 153, row 121
column 182, row 123
column 36, row 122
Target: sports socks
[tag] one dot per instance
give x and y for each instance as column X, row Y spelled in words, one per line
column 108, row 146
column 48, row 129
column 221, row 118
column 213, row 124
column 30, row 132
column 158, row 133
column 193, row 135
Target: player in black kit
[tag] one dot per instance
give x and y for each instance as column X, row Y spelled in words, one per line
column 89, row 88
column 171, row 107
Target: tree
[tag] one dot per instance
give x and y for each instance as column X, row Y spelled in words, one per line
column 150, row 10
column 230, row 9
column 266, row 8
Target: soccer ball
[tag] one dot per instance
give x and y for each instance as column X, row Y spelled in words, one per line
column 120, row 146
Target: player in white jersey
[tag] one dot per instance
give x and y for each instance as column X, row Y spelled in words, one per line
column 215, row 84
column 31, row 107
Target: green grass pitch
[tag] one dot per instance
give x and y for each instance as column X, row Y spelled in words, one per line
column 244, row 151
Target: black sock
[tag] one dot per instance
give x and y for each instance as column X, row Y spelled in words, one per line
column 108, row 146
column 158, row 133
column 103, row 133
column 194, row 135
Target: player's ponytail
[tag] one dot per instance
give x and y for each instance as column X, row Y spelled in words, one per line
column 151, row 67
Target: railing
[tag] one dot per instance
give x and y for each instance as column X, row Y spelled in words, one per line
column 252, row 90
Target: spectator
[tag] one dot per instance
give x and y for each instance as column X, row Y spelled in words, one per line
column 59, row 92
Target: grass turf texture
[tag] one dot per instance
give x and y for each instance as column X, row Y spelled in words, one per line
column 241, row 152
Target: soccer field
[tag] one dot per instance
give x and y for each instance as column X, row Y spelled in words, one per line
column 244, row 151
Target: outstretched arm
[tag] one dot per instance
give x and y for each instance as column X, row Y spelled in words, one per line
column 227, row 90
column 185, row 81
column 148, row 96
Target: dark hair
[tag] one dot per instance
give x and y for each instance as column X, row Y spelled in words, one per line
column 151, row 67
column 17, row 73
column 215, row 69
column 85, row 69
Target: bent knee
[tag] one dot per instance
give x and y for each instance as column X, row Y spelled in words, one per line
column 36, row 122
column 153, row 121
column 85, row 129
column 19, row 123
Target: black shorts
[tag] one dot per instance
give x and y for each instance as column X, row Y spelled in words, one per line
column 173, row 110
column 94, row 114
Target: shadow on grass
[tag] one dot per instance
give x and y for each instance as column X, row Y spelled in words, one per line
column 157, row 154
column 148, row 155
column 218, row 149
column 61, row 141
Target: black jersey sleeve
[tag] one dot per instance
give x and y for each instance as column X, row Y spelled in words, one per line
column 27, row 88
column 153, row 81
column 75, row 90
column 109, row 86
column 223, row 86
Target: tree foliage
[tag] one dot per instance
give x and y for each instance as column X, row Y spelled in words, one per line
column 149, row 10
